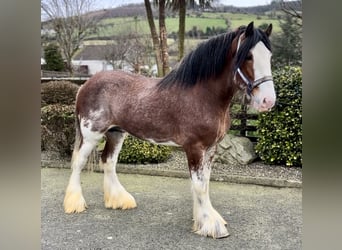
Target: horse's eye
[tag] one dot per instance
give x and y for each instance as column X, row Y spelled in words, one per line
column 249, row 57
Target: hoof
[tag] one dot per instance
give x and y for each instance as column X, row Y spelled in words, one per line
column 215, row 231
column 122, row 200
column 74, row 202
column 211, row 225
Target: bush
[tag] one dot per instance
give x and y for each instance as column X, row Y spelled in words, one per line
column 61, row 92
column 138, row 151
column 53, row 58
column 58, row 129
column 280, row 131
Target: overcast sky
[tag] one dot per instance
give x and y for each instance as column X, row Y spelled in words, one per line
column 238, row 3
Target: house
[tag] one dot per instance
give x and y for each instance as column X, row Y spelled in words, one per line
column 92, row 58
column 95, row 58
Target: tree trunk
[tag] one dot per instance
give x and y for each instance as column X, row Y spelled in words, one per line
column 181, row 31
column 155, row 39
column 163, row 38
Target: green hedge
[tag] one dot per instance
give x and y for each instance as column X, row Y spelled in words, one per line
column 138, row 151
column 58, row 92
column 280, row 131
column 58, row 128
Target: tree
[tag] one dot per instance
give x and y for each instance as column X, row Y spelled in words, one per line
column 293, row 8
column 287, row 46
column 163, row 38
column 71, row 22
column 53, row 58
column 128, row 47
column 155, row 38
column 181, row 5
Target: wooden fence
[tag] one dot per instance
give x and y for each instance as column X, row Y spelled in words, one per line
column 244, row 123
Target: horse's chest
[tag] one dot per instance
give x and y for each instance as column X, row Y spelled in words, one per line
column 223, row 127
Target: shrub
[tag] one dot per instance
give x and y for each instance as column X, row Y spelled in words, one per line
column 138, row 151
column 280, row 131
column 53, row 58
column 58, row 129
column 62, row 92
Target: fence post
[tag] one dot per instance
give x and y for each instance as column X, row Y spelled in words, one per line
column 243, row 120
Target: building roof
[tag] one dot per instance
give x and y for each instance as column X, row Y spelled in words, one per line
column 93, row 52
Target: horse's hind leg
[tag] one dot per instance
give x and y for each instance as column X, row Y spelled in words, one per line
column 207, row 221
column 115, row 195
column 73, row 200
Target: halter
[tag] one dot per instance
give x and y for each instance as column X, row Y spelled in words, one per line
column 250, row 84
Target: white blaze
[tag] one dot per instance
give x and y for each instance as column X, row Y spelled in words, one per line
column 264, row 98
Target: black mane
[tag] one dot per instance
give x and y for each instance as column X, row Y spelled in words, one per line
column 210, row 57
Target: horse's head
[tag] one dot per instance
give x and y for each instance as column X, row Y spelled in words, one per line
column 253, row 66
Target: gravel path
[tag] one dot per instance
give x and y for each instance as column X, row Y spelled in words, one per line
column 254, row 173
column 257, row 169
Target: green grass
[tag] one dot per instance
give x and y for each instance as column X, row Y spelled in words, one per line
column 200, row 23
column 120, row 25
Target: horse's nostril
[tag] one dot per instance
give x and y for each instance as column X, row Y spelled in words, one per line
column 268, row 102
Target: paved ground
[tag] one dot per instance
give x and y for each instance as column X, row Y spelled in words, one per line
column 259, row 217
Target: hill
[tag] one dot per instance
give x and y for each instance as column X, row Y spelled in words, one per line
column 200, row 23
column 129, row 12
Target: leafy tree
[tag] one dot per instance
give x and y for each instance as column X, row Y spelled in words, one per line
column 287, row 46
column 53, row 58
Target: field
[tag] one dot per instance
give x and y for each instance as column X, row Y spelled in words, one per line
column 117, row 26
column 120, row 26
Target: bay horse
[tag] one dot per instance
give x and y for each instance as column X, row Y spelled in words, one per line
column 188, row 108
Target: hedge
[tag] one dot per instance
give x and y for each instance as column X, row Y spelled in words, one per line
column 280, row 130
column 138, row 151
column 58, row 92
column 58, row 129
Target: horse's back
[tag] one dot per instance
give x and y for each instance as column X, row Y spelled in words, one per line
column 115, row 79
column 112, row 93
column 111, row 83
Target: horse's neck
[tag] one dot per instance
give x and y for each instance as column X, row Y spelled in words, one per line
column 222, row 89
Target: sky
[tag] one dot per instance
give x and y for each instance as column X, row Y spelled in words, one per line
column 238, row 3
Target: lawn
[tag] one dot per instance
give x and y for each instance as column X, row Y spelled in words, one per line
column 121, row 25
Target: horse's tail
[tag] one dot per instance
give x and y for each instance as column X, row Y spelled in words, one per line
column 78, row 135
column 78, row 138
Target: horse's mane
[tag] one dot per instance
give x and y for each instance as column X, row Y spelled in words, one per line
column 210, row 57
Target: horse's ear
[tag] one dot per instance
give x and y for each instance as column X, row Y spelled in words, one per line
column 249, row 29
column 268, row 31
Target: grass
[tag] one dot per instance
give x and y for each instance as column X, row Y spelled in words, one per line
column 121, row 25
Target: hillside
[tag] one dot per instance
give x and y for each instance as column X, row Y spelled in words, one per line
column 133, row 18
column 113, row 24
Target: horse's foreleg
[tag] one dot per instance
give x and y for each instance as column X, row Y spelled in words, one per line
column 207, row 221
column 73, row 200
column 115, row 195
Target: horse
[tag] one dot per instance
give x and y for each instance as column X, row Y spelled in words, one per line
column 188, row 108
